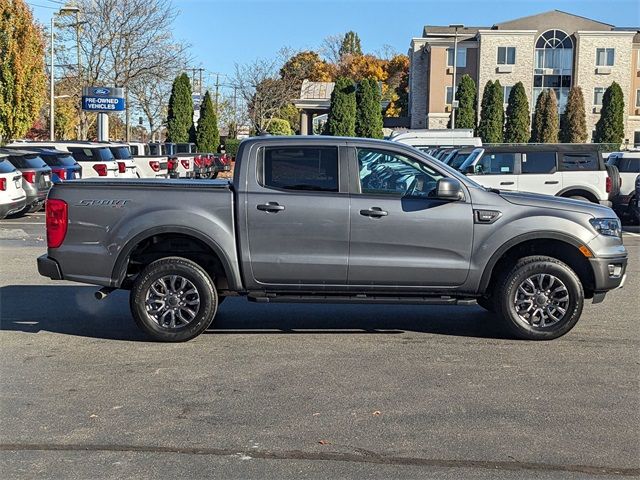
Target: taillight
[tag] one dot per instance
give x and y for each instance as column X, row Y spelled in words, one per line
column 57, row 219
column 61, row 173
column 3, row 184
column 171, row 164
column 185, row 163
column 122, row 168
column 155, row 166
column 101, row 169
column 29, row 176
column 609, row 185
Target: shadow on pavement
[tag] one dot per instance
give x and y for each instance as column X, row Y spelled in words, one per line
column 73, row 310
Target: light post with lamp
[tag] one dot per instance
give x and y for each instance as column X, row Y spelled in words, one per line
column 454, row 102
column 62, row 11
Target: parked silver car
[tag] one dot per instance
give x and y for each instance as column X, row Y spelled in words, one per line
column 36, row 177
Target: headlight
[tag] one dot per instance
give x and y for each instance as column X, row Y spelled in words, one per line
column 607, row 226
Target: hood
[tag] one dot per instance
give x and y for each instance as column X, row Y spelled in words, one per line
column 558, row 203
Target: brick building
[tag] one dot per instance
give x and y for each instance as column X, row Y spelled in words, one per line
column 550, row 50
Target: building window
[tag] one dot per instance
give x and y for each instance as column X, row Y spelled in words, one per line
column 553, row 65
column 637, row 98
column 506, row 55
column 605, row 57
column 461, row 60
column 598, row 93
column 506, row 90
column 448, row 95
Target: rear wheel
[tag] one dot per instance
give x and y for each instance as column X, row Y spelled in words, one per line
column 541, row 298
column 173, row 300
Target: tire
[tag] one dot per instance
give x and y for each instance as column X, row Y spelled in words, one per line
column 214, row 175
column 529, row 268
column 613, row 172
column 486, row 303
column 580, row 197
column 187, row 320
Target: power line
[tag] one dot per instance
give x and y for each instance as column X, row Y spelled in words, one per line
column 41, row 6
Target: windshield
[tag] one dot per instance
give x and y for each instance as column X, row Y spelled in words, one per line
column 6, row 166
column 469, row 161
column 121, row 153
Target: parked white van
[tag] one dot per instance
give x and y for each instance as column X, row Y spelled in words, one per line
column 429, row 138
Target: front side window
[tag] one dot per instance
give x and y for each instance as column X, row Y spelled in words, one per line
column 388, row 173
column 598, row 93
column 301, row 168
column 461, row 60
column 506, row 55
column 605, row 57
column 539, row 162
column 497, row 163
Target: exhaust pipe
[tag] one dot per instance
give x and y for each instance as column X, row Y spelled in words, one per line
column 103, row 292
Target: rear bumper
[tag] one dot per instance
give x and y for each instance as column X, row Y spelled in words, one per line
column 13, row 207
column 48, row 267
column 608, row 273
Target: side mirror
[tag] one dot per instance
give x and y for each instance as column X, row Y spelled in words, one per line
column 449, row 189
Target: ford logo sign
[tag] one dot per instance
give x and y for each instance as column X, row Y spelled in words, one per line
column 101, row 91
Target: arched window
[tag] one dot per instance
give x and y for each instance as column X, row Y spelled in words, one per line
column 553, row 66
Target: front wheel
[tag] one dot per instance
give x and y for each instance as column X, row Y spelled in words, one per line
column 541, row 298
column 173, row 300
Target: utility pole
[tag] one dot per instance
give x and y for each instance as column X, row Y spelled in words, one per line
column 454, row 103
column 217, row 88
column 52, row 107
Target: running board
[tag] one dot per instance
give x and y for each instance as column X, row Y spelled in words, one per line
column 409, row 300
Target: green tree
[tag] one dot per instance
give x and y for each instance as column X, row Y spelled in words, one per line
column 22, row 77
column 350, row 44
column 368, row 111
column 610, row 126
column 207, row 135
column 573, row 124
column 545, row 127
column 342, row 110
column 180, row 118
column 516, row 129
column 279, row 126
column 467, row 96
column 491, row 125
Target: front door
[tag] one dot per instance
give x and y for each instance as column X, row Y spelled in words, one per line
column 297, row 218
column 400, row 235
column 497, row 170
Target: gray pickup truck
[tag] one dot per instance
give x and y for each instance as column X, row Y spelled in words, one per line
column 330, row 219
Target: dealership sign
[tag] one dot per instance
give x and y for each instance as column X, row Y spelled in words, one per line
column 103, row 99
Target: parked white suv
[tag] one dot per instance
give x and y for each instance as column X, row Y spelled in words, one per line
column 565, row 170
column 628, row 165
column 95, row 158
column 126, row 165
column 12, row 196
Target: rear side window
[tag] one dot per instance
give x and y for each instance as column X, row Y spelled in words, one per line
column 539, row 162
column 6, row 166
column 502, row 163
column 579, row 161
column 627, row 165
column 301, row 168
column 27, row 161
column 121, row 153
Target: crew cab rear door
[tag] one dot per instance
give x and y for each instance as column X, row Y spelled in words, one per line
column 400, row 235
column 297, row 213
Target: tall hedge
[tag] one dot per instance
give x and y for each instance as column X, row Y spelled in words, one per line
column 368, row 110
column 342, row 110
column 573, row 124
column 516, row 129
column 610, row 127
column 467, row 96
column 180, row 116
column 491, row 125
column 545, row 126
column 207, row 134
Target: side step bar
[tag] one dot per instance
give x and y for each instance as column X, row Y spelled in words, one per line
column 409, row 300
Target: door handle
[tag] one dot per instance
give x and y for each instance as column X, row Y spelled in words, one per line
column 507, row 183
column 551, row 182
column 270, row 207
column 375, row 212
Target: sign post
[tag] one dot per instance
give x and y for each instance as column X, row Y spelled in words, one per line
column 103, row 100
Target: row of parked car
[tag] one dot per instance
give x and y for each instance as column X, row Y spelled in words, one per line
column 28, row 169
column 578, row 171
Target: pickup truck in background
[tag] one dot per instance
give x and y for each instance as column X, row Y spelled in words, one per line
column 149, row 166
column 330, row 219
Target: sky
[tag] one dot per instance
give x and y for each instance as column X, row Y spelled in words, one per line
column 222, row 32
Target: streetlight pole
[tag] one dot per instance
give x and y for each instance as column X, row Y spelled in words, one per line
column 454, row 103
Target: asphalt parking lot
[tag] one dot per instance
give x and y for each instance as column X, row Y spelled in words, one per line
column 308, row 391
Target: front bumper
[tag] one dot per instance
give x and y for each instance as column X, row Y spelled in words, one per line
column 48, row 267
column 608, row 273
